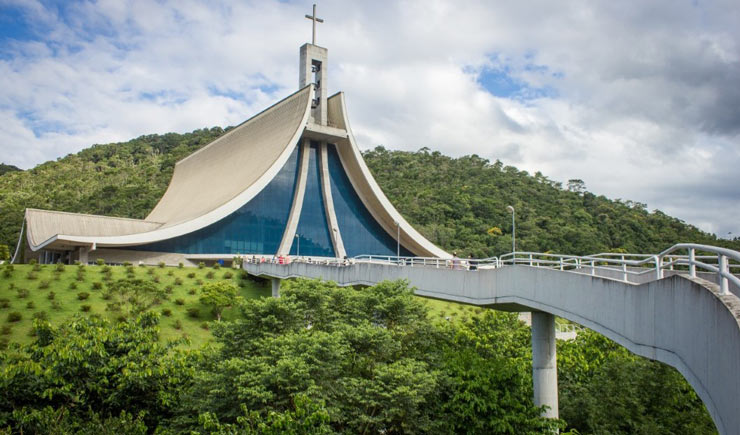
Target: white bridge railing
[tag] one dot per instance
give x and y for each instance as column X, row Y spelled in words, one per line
column 680, row 258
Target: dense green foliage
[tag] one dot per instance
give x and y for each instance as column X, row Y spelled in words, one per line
column 7, row 168
column 320, row 359
column 606, row 390
column 460, row 204
column 323, row 359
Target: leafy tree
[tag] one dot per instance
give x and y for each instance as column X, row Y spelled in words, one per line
column 218, row 295
column 90, row 366
column 134, row 296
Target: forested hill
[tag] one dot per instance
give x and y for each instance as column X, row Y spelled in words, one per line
column 460, row 204
column 7, row 168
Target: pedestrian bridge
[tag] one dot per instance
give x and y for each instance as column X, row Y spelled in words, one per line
column 680, row 307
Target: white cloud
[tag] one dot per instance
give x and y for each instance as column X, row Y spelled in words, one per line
column 645, row 103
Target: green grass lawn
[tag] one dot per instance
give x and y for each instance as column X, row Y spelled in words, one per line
column 43, row 290
column 56, row 293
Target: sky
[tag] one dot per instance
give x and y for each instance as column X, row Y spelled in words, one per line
column 639, row 99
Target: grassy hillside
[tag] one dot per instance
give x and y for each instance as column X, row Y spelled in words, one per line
column 459, row 204
column 57, row 294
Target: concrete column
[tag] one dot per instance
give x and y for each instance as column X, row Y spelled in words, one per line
column 544, row 363
column 83, row 254
column 275, row 287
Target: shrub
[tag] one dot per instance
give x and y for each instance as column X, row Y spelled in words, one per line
column 32, row 332
column 4, row 343
column 100, row 262
column 7, row 272
column 55, row 305
column 73, row 286
column 105, row 269
column 6, row 330
column 14, row 316
column 217, row 265
column 178, row 281
column 150, row 271
column 180, row 301
column 180, row 265
column 32, row 275
column 201, row 265
column 30, row 305
column 155, row 278
column 80, row 275
column 191, row 275
column 199, row 281
column 37, row 267
column 51, row 295
column 178, row 324
column 77, row 263
column 171, row 273
column 33, row 262
column 97, row 285
column 107, row 277
column 121, row 318
column 243, row 274
column 107, row 296
column 57, row 276
column 204, row 325
column 168, row 289
column 210, row 274
column 59, row 267
column 192, row 291
column 85, row 308
column 4, row 303
column 126, row 264
column 193, row 312
column 22, row 293
column 166, row 312
column 11, row 286
column 228, row 275
column 44, row 284
column 83, row 296
column 161, row 265
column 41, row 315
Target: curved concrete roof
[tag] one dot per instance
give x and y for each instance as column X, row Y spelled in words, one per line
column 217, row 173
column 44, row 225
column 206, row 186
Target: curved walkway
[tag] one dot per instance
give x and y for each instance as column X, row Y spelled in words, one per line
column 684, row 322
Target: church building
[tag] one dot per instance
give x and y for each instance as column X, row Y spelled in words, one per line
column 289, row 181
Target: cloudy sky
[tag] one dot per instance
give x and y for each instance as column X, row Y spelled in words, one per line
column 640, row 99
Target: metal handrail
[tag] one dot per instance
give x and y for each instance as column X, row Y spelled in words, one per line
column 717, row 261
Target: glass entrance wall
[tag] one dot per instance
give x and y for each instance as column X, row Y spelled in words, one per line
column 255, row 228
column 313, row 227
column 361, row 233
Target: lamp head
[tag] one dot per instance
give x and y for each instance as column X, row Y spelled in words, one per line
column 510, row 208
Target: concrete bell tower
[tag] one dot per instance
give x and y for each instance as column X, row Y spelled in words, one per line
column 312, row 69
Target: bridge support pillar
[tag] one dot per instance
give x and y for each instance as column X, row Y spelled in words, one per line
column 544, row 364
column 275, row 287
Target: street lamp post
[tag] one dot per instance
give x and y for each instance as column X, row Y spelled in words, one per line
column 513, row 233
column 398, row 239
column 298, row 248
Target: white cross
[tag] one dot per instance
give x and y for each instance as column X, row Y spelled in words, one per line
column 314, row 19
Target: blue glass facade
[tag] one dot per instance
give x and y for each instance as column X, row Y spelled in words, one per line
column 313, row 229
column 258, row 226
column 361, row 234
column 255, row 228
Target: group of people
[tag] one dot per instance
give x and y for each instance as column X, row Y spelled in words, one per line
column 455, row 263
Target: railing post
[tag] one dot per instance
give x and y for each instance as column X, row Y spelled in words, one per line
column 561, row 263
column 593, row 268
column 530, row 260
column 724, row 286
column 624, row 270
column 658, row 270
column 692, row 262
